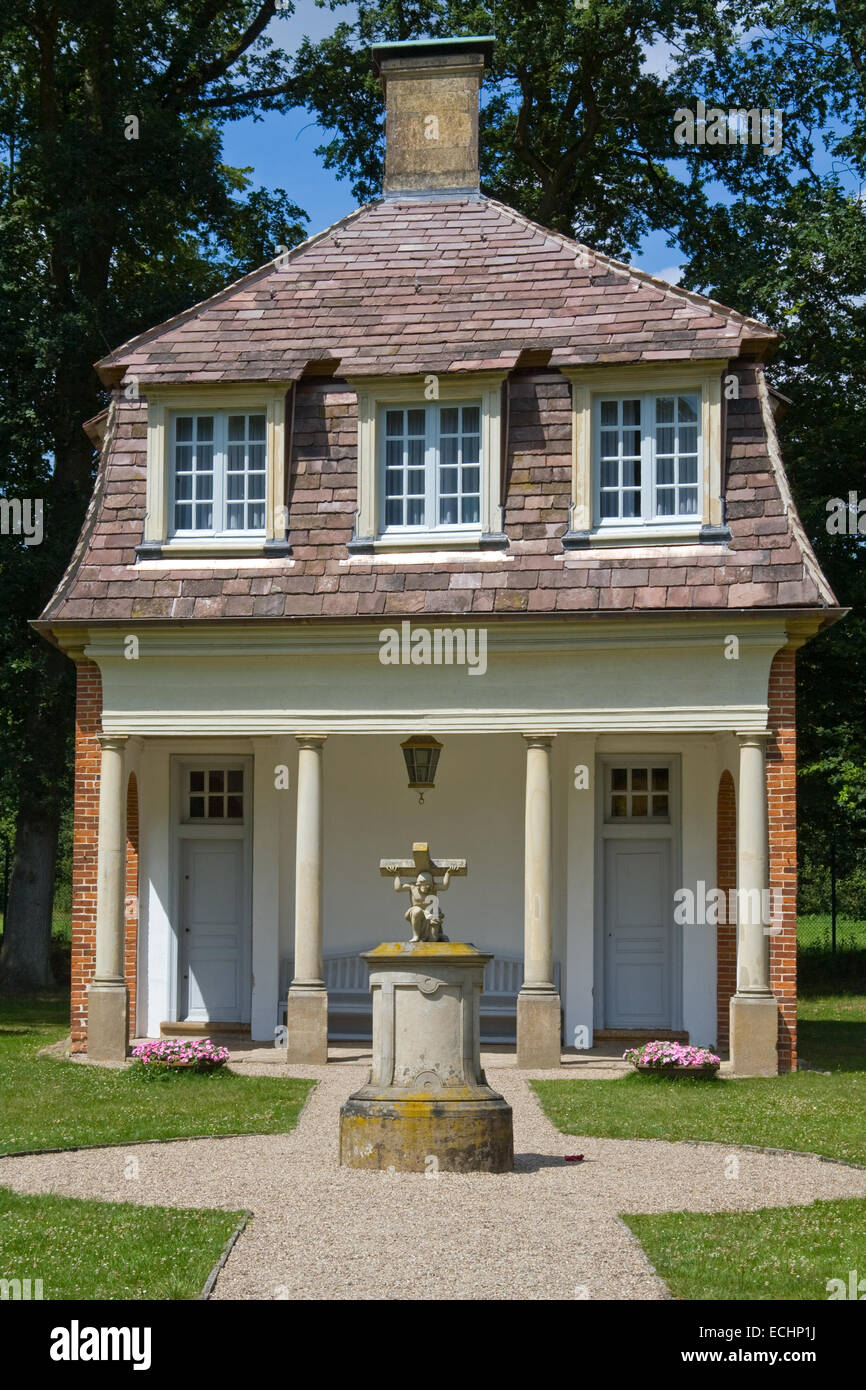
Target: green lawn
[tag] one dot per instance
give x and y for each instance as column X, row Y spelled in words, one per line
column 820, row 1114
column 784, row 1252
column 86, row 1250
column 51, row 1104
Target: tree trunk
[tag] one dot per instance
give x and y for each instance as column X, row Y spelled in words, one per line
column 25, row 960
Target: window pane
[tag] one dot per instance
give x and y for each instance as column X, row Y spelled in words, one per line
column 448, row 420
column 609, row 504
column 415, row 482
column 215, row 807
column 183, row 427
column 393, row 422
column 415, row 512
column 471, row 419
column 258, row 425
column 609, row 444
column 235, row 807
column 448, row 480
column 196, row 806
column 393, row 512
column 417, row 421
column 204, row 517
column 237, row 426
column 688, row 501
column 256, row 486
column 660, row 805
column 234, row 486
column 631, row 473
column 204, row 487
column 688, row 439
column 664, row 410
column 235, row 516
column 204, row 458
column 215, row 781
column 394, row 453
column 393, row 483
column 688, row 407
column 183, row 518
column 665, row 501
column 449, row 450
column 665, row 439
column 609, row 412
column 471, row 479
column 631, row 442
column 639, row 779
column 631, row 412
column 665, row 472
column 631, row 504
column 618, row 805
column 639, row 805
column 204, row 427
column 448, row 511
column 256, row 517
column 183, row 487
column 619, row 779
column 196, row 781
column 471, row 510
column 609, row 472
column 416, row 453
column 660, row 779
column 235, row 780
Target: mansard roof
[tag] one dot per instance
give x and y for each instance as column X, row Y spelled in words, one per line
column 433, row 285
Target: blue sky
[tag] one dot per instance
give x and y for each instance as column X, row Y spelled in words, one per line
column 280, row 149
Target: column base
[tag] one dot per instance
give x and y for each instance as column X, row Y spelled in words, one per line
column 539, row 1031
column 307, row 1026
column 754, row 1032
column 107, row 1022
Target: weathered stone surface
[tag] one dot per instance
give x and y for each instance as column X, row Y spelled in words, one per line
column 426, row 1106
column 539, row 1026
column 754, row 1031
column 307, row 1025
column 107, row 1023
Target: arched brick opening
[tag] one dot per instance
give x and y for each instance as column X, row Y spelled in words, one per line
column 726, row 879
column 131, row 901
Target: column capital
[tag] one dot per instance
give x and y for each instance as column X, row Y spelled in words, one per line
column 538, row 740
column 113, row 742
column 310, row 740
column 757, row 738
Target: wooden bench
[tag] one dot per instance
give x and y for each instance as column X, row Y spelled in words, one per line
column 350, row 1008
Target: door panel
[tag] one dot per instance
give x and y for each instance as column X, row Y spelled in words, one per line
column 215, row 988
column 637, row 934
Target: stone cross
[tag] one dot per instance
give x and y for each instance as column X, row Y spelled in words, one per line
column 424, row 914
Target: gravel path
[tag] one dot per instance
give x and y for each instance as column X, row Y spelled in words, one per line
column 549, row 1230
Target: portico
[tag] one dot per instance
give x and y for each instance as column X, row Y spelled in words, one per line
column 526, row 791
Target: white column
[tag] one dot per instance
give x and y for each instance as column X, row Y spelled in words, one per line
column 269, row 754
column 753, row 1009
column 108, row 996
column 753, row 869
column 307, row 1012
column 538, row 1008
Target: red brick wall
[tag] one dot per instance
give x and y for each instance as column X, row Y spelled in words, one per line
column 88, row 723
column 131, row 901
column 85, row 841
column 726, row 879
column 782, row 795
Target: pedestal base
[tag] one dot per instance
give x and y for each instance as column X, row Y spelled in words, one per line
column 754, row 1030
column 427, row 1136
column 307, row 1026
column 539, row 1027
column 107, row 1023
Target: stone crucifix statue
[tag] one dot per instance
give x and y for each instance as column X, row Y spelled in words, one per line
column 424, row 913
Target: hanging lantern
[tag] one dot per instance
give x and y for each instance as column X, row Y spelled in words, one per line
column 422, row 755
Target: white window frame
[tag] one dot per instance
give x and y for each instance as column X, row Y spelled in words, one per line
column 648, row 488
column 377, row 394
column 219, row 500
column 432, row 469
column 164, row 404
column 588, row 384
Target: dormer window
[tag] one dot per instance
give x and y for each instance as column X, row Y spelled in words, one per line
column 219, row 473
column 429, row 467
column 430, row 462
column 646, row 454
column 215, row 471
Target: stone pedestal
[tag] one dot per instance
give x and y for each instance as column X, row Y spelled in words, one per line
column 539, row 1030
column 307, row 1026
column 754, row 1024
column 107, row 1022
column 426, row 1106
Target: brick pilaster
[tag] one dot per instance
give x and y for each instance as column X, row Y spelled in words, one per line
column 782, row 798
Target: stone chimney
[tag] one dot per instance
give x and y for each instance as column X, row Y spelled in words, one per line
column 431, row 114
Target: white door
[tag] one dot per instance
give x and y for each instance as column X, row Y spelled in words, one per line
column 214, row 987
column 638, row 930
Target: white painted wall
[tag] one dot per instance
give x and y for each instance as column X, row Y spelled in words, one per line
column 476, row 811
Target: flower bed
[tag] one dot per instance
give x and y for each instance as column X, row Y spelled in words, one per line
column 196, row 1054
column 673, row 1059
